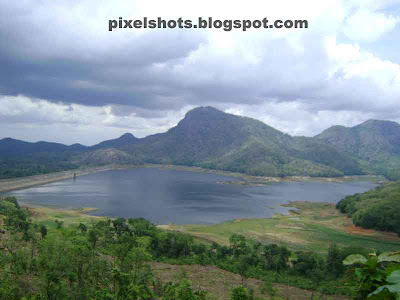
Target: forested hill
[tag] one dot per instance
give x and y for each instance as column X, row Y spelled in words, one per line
column 378, row 209
column 11, row 147
column 210, row 138
column 371, row 140
column 375, row 142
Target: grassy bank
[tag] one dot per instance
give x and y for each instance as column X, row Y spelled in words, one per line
column 48, row 216
column 311, row 227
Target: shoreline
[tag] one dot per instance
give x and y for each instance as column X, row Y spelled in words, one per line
column 312, row 227
column 12, row 184
column 245, row 179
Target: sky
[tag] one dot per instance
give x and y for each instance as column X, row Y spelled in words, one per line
column 64, row 77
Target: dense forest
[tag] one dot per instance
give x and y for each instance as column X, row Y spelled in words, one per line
column 36, row 164
column 108, row 259
column 378, row 208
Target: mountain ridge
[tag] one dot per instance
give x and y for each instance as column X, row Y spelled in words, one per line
column 210, row 138
column 124, row 139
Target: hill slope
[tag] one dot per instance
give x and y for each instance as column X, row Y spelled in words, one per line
column 210, row 138
column 123, row 140
column 13, row 147
column 19, row 158
column 378, row 208
column 375, row 142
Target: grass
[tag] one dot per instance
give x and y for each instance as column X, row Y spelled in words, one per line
column 219, row 283
column 312, row 227
column 47, row 216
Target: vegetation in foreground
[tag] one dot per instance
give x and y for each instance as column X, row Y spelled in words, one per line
column 121, row 259
column 378, row 208
column 377, row 277
column 107, row 259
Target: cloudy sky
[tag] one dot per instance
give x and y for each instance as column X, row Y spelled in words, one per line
column 64, row 77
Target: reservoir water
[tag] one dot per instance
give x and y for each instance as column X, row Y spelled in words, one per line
column 181, row 197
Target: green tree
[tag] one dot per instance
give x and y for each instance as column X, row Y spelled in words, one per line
column 43, row 231
column 238, row 244
column 239, row 293
column 182, row 291
column 93, row 237
column 59, row 224
column 335, row 261
column 82, row 227
column 242, row 266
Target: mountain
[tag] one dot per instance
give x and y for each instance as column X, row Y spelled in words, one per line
column 209, row 138
column 19, row 158
column 12, row 147
column 77, row 147
column 376, row 143
column 369, row 140
column 126, row 139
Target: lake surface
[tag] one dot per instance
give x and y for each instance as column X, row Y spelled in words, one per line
column 181, row 197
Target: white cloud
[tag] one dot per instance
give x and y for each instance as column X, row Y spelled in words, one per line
column 303, row 121
column 75, row 123
column 366, row 25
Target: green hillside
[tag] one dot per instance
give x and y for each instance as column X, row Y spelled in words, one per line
column 378, row 209
column 210, row 138
column 376, row 143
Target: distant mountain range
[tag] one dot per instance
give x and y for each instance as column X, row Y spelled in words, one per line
column 212, row 139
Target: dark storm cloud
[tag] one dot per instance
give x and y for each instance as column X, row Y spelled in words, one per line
column 48, row 61
column 62, row 52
